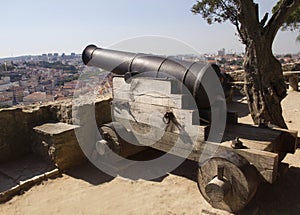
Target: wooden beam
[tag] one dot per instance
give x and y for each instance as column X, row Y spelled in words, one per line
column 265, row 162
column 195, row 149
column 287, row 141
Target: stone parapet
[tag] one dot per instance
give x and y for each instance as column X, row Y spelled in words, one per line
column 17, row 123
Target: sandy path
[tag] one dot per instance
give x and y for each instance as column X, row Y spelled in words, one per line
column 97, row 193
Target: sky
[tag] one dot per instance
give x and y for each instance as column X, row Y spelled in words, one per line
column 33, row 27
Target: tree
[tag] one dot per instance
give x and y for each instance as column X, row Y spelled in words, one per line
column 264, row 84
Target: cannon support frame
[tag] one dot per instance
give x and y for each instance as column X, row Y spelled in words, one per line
column 247, row 155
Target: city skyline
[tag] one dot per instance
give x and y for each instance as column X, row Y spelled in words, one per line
column 38, row 27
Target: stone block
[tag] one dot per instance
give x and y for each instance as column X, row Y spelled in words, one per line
column 57, row 143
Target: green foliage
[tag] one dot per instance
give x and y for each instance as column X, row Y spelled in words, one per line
column 68, row 79
column 217, row 11
column 292, row 22
column 288, row 56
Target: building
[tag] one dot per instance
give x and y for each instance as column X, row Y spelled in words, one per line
column 6, row 102
column 222, row 52
column 18, row 94
column 37, row 97
column 6, row 99
column 5, row 80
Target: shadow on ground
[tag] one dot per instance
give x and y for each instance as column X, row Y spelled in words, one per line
column 282, row 197
column 279, row 198
column 89, row 173
column 15, row 172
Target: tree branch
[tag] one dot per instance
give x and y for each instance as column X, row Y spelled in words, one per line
column 248, row 17
column 280, row 16
column 234, row 19
column 226, row 8
column 264, row 20
column 242, row 36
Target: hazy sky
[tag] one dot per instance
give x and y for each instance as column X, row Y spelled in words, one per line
column 42, row 26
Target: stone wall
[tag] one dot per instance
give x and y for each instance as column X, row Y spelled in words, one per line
column 291, row 67
column 16, row 124
column 238, row 75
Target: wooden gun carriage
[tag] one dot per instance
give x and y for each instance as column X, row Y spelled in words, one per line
column 230, row 170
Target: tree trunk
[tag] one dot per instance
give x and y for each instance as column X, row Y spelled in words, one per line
column 265, row 87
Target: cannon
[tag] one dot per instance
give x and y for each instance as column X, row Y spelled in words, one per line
column 232, row 168
column 129, row 64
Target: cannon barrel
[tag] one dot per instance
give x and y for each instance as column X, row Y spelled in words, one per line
column 121, row 63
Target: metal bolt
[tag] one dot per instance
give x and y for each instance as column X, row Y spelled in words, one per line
column 220, row 172
column 237, row 144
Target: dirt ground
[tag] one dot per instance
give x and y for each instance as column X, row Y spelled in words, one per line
column 86, row 190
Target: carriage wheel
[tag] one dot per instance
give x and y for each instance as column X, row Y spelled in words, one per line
column 119, row 141
column 227, row 181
